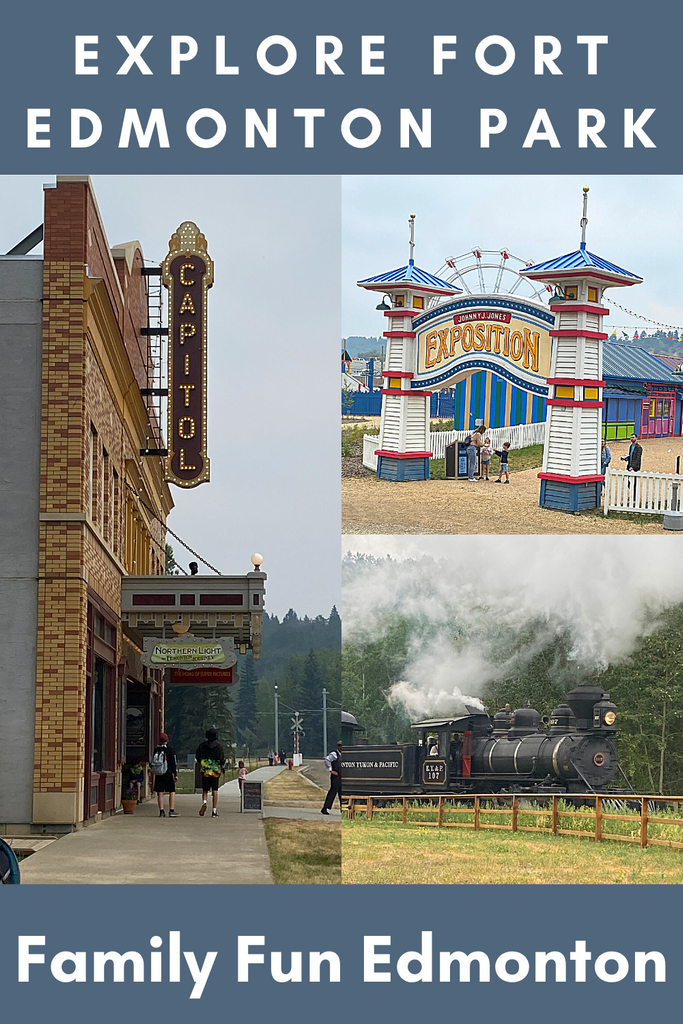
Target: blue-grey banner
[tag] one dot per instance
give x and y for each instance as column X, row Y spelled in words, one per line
column 377, row 953
column 315, row 87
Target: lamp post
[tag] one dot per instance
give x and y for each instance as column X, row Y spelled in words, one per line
column 324, row 721
column 277, row 733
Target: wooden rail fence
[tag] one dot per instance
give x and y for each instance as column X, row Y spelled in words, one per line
column 479, row 807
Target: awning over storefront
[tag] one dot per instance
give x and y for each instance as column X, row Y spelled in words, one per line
column 210, row 607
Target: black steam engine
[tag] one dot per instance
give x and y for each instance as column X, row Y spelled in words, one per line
column 571, row 752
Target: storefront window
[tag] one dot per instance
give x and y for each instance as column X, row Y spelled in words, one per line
column 137, row 723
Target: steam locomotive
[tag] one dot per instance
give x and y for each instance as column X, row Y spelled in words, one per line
column 573, row 751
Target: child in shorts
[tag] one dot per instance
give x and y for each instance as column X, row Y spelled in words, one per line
column 503, row 455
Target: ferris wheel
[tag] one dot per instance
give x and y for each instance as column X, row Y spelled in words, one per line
column 495, row 271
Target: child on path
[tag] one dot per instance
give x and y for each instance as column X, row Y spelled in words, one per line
column 242, row 774
column 486, row 450
column 503, row 455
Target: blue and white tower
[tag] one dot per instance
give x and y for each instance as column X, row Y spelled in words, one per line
column 571, row 477
column 403, row 452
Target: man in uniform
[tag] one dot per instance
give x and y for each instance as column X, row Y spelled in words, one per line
column 333, row 763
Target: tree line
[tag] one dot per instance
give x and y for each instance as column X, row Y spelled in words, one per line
column 300, row 656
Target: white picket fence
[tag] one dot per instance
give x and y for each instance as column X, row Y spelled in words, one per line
column 626, row 491
column 521, row 436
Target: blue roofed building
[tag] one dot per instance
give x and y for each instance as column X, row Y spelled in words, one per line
column 642, row 394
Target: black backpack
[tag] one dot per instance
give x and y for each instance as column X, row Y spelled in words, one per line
column 468, row 439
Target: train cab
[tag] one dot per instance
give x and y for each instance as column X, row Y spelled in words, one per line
column 444, row 747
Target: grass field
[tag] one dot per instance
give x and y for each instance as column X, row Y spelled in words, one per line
column 520, row 458
column 292, row 788
column 387, row 853
column 304, row 852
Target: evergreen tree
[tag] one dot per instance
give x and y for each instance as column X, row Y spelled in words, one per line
column 311, row 705
column 246, row 698
column 170, row 564
column 191, row 710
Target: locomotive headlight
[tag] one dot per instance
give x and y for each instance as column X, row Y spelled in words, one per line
column 610, row 718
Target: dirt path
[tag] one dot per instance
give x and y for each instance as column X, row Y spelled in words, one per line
column 370, row 505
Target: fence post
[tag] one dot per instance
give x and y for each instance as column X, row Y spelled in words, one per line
column 368, row 809
column 514, row 813
column 554, row 814
column 598, row 819
column 643, row 822
column 439, row 819
column 405, row 810
column 476, row 813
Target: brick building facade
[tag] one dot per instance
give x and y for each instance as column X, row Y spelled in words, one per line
column 98, row 514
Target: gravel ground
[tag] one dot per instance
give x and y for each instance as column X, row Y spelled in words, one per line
column 352, row 465
column 450, row 506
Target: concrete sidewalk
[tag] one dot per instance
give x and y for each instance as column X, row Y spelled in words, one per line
column 144, row 848
column 303, row 813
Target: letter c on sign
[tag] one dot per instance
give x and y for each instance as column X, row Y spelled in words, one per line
column 183, row 279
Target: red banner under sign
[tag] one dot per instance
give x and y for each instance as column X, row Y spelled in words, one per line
column 204, row 676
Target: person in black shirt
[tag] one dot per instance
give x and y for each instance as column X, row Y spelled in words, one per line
column 165, row 783
column 211, row 762
column 333, row 762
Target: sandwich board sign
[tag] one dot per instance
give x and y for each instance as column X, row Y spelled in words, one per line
column 252, row 799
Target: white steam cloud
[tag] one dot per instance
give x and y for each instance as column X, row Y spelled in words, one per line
column 603, row 592
column 435, row 681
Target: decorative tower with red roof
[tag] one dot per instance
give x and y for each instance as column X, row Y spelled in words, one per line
column 571, row 478
column 403, row 451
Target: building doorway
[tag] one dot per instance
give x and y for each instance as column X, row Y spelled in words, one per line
column 100, row 732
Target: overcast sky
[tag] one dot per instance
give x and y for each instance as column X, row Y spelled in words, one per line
column 273, row 336
column 635, row 222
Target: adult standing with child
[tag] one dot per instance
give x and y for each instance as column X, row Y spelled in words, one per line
column 476, row 443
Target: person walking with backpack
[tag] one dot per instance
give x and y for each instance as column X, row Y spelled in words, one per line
column 164, row 766
column 211, row 761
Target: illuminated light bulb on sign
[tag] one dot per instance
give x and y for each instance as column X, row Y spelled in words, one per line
column 188, row 275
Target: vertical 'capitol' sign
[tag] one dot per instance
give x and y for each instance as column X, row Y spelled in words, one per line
column 188, row 275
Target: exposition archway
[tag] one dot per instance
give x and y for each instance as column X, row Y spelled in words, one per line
column 506, row 336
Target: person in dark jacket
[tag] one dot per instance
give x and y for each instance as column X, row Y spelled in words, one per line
column 635, row 454
column 211, row 761
column 633, row 460
column 165, row 783
column 333, row 763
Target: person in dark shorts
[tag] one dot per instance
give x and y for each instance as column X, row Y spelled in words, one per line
column 503, row 454
column 211, row 760
column 164, row 782
column 333, row 764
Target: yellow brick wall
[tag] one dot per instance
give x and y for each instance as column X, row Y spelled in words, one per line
column 75, row 551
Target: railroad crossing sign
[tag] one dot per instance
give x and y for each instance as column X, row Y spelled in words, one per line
column 297, row 729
